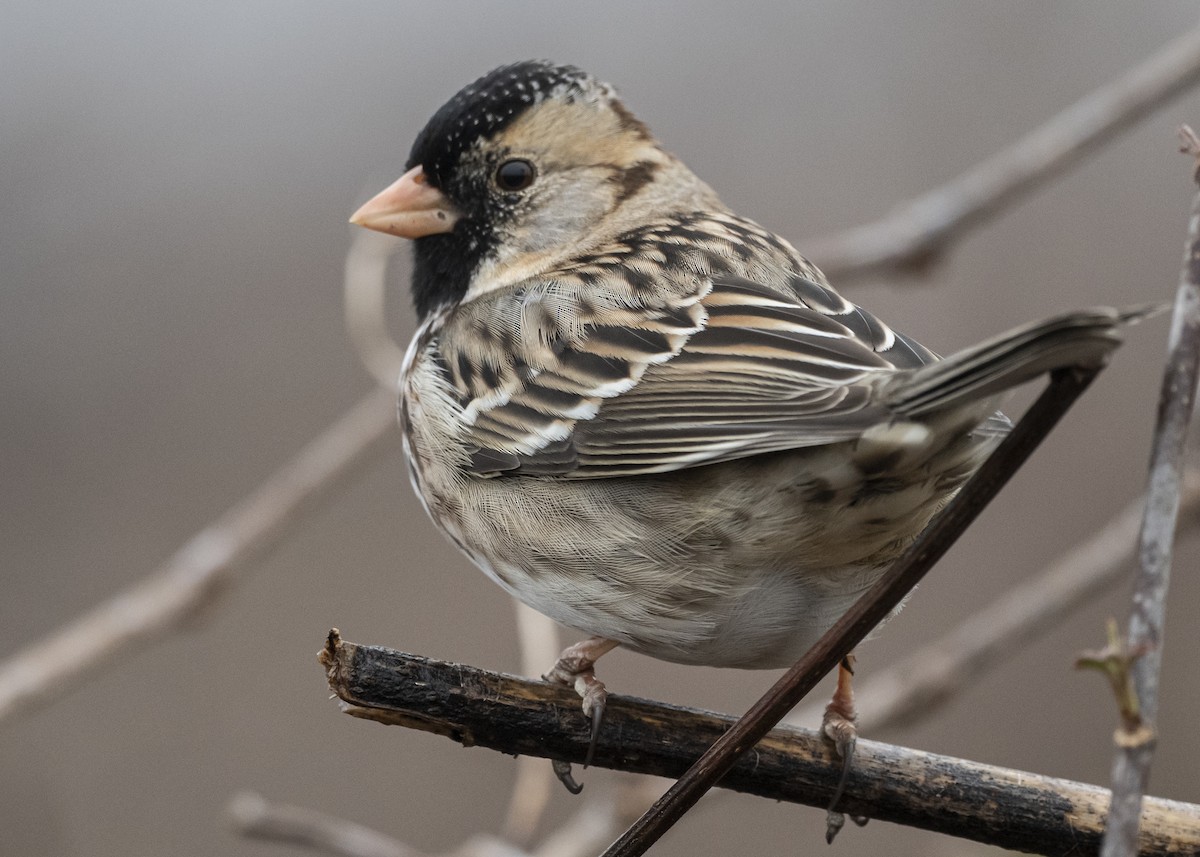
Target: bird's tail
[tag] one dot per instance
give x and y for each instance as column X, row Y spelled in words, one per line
column 1083, row 338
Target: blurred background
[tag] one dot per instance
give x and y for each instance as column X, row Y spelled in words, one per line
column 174, row 188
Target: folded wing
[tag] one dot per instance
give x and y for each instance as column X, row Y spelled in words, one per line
column 723, row 368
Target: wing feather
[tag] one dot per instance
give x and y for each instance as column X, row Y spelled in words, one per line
column 593, row 373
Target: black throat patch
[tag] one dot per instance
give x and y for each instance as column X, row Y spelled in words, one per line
column 444, row 264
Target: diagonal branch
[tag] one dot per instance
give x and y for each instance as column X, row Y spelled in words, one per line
column 926, row 679
column 1066, row 385
column 1012, row 809
column 919, row 233
column 1135, row 741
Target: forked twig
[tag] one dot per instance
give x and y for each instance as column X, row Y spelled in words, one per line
column 1135, row 739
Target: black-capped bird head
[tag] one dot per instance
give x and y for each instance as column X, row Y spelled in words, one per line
column 524, row 167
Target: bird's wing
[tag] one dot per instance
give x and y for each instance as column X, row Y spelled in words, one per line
column 556, row 381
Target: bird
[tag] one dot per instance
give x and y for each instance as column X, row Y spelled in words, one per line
column 647, row 416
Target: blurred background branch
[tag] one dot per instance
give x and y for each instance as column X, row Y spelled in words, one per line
column 203, row 569
column 583, row 834
column 253, row 816
column 918, row 234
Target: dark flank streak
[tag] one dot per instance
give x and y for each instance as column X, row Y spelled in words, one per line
column 466, row 372
column 490, row 377
column 640, row 280
column 820, row 491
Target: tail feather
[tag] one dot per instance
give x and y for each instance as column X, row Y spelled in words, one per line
column 1083, row 338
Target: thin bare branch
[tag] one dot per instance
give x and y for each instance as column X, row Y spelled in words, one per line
column 931, row 676
column 1135, row 741
column 364, row 304
column 534, row 783
column 1011, row 809
column 918, row 233
column 590, row 829
column 200, row 571
column 582, row 835
column 253, row 816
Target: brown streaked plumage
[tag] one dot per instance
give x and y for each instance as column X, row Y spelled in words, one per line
column 650, row 418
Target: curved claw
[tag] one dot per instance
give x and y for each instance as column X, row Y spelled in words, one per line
column 834, row 822
column 597, row 718
column 845, row 749
column 562, row 770
column 576, row 668
column 838, row 726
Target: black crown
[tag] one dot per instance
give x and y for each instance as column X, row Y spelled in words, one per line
column 486, row 107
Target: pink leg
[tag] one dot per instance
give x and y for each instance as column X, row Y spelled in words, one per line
column 576, row 667
column 838, row 726
column 840, row 715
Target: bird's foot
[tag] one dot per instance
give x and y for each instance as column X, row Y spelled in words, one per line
column 839, row 727
column 576, row 667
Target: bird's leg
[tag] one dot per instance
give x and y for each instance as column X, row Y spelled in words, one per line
column 576, row 667
column 838, row 723
column 838, row 726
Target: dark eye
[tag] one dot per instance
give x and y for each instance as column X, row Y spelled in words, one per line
column 514, row 175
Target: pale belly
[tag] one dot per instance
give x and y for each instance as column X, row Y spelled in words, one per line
column 742, row 565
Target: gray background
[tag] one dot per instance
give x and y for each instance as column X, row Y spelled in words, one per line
column 174, row 187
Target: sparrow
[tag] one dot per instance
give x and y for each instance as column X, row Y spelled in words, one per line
column 647, row 416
